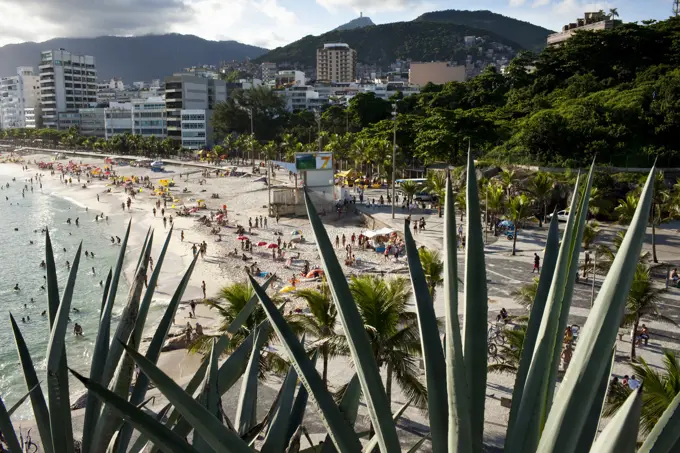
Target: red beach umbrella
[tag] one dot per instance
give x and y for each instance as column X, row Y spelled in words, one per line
column 261, row 244
column 242, row 238
column 272, row 246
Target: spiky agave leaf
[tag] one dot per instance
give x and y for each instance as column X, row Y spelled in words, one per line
column 431, row 344
column 620, row 435
column 246, row 415
column 218, row 436
column 370, row 446
column 7, row 429
column 158, row 433
column 297, row 413
column 357, row 338
column 209, row 398
column 459, row 434
column 57, row 374
column 532, row 407
column 275, row 441
column 343, row 436
column 476, row 310
column 537, row 309
column 349, row 406
column 574, row 398
column 38, row 404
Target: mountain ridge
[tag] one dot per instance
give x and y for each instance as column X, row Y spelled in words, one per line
column 132, row 58
column 359, row 22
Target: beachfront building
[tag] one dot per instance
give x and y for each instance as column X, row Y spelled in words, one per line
column 117, row 119
column 68, row 82
column 145, row 117
column 93, row 122
column 308, row 97
column 31, row 117
column 190, row 92
column 197, row 130
column 336, row 62
column 149, row 117
column 437, row 72
column 19, row 94
column 590, row 21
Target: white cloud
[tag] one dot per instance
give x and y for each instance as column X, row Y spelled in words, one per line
column 369, row 6
column 516, row 3
column 539, row 3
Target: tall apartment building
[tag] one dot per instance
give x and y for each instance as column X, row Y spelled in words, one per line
column 68, row 82
column 336, row 62
column 18, row 99
column 189, row 92
column 267, row 72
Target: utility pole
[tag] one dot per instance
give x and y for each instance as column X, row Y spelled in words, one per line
column 317, row 116
column 394, row 155
column 592, row 288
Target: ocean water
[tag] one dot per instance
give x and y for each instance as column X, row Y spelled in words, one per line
column 20, row 263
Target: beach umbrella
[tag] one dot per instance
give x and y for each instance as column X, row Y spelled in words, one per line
column 261, row 244
column 242, row 238
column 272, row 246
column 287, row 289
column 296, row 233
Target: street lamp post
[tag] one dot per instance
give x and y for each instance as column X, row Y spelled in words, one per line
column 394, row 155
column 252, row 136
column 317, row 116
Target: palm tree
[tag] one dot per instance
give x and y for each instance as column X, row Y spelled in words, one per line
column 507, row 178
column 436, row 185
column 626, row 208
column 235, row 297
column 590, row 233
column 461, row 200
column 518, row 210
column 433, row 266
column 613, row 13
column 525, row 294
column 541, row 187
column 597, row 202
column 660, row 389
column 392, row 330
column 321, row 324
column 494, row 199
column 510, row 352
column 410, row 188
column 643, row 300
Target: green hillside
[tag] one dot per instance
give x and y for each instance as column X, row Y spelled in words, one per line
column 382, row 44
column 528, row 35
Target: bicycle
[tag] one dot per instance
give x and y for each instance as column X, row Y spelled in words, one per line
column 496, row 335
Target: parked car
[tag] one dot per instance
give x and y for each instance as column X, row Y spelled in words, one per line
column 562, row 216
column 422, row 196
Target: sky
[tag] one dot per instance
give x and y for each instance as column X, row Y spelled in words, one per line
column 270, row 23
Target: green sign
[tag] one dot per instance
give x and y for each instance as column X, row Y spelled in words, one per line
column 305, row 161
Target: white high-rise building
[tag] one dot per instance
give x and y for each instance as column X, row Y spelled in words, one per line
column 336, row 62
column 18, row 97
column 68, row 82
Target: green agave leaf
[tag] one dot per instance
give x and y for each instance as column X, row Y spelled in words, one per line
column 246, row 415
column 431, row 344
column 476, row 310
column 57, row 376
column 228, row 374
column 152, row 429
column 597, row 338
column 357, row 339
column 231, row 370
column 18, row 404
column 40, row 412
column 620, row 435
column 209, row 398
column 370, row 446
column 537, row 310
column 119, row 266
column 349, row 406
column 417, row 445
column 128, row 318
column 101, row 350
column 297, row 414
column 123, row 367
column 459, row 434
column 142, row 441
column 7, row 429
column 146, row 241
column 571, row 281
column 532, row 407
column 666, row 433
column 343, row 436
column 593, row 419
column 52, row 283
column 159, row 337
column 219, row 437
column 275, row 441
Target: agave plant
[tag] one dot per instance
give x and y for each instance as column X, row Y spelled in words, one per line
column 540, row 419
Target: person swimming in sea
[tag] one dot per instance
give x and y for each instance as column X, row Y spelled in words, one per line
column 87, row 253
column 77, row 219
column 16, row 287
column 43, row 313
column 113, row 241
column 42, row 264
column 68, row 265
column 77, row 330
column 93, row 272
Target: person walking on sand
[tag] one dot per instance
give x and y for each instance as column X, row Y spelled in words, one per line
column 165, row 222
column 203, row 288
column 181, row 236
column 415, row 227
column 353, row 238
column 344, row 239
column 97, row 197
column 192, row 304
column 193, row 249
column 265, row 222
column 154, row 212
column 537, row 264
column 337, row 241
